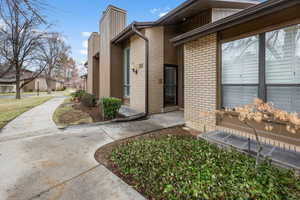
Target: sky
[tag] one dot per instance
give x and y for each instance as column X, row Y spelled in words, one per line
column 76, row 19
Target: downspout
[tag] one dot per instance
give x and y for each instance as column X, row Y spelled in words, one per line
column 146, row 66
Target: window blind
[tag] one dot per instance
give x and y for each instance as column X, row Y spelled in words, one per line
column 240, row 60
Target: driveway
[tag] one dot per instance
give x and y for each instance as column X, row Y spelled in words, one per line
column 59, row 164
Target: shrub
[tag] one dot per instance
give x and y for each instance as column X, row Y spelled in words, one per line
column 110, row 107
column 88, row 100
column 78, row 94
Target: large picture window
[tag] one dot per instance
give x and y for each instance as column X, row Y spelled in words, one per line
column 265, row 66
column 240, row 71
column 283, row 68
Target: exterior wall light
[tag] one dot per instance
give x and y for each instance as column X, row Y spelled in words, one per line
column 136, row 68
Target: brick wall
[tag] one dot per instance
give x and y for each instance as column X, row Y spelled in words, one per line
column 200, row 77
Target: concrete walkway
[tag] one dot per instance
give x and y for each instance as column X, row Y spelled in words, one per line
column 60, row 164
column 34, row 120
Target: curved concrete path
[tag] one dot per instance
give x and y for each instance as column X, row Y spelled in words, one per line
column 34, row 120
column 60, row 164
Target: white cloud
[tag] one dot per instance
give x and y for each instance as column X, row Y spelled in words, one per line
column 83, row 52
column 160, row 11
column 154, row 10
column 86, row 34
column 85, row 44
column 163, row 14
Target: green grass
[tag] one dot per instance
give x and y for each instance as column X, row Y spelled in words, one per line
column 66, row 115
column 182, row 167
column 11, row 108
column 64, row 93
column 13, row 94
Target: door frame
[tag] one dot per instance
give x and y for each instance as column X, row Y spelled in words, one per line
column 164, row 75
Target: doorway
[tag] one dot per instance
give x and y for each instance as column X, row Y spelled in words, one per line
column 170, row 85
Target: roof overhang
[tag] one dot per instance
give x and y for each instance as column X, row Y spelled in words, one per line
column 192, row 7
column 179, row 14
column 252, row 13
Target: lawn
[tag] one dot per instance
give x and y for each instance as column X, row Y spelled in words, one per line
column 66, row 114
column 183, row 167
column 11, row 108
column 26, row 93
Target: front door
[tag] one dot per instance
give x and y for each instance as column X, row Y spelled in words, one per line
column 170, row 85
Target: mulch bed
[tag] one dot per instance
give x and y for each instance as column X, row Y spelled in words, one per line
column 94, row 112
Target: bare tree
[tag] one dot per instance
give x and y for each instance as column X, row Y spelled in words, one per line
column 19, row 43
column 26, row 7
column 51, row 54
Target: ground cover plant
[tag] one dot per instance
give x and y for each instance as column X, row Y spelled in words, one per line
column 11, row 108
column 183, row 167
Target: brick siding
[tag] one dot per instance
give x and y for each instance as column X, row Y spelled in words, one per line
column 200, row 78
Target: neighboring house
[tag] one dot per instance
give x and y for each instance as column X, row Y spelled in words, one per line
column 148, row 76
column 8, row 82
column 41, row 84
column 202, row 56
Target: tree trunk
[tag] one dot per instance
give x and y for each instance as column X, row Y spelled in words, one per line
column 48, row 82
column 18, row 88
column 259, row 147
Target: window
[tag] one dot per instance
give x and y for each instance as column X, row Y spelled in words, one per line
column 283, row 68
column 239, row 72
column 265, row 66
column 126, row 72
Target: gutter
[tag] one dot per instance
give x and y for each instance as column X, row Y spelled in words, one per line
column 128, row 30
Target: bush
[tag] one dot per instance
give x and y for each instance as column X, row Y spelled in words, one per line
column 78, row 94
column 88, row 100
column 110, row 107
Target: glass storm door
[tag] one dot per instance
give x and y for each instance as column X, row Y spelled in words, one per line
column 170, row 85
column 126, row 64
